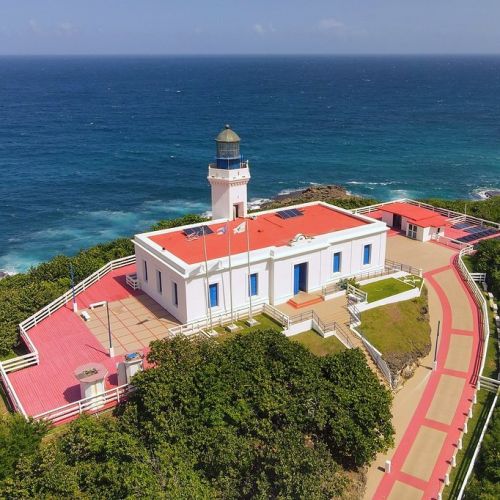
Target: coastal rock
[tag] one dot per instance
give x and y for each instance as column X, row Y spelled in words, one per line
column 312, row 193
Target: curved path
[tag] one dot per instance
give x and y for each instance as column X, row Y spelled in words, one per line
column 428, row 436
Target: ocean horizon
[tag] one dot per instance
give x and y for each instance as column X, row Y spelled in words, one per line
column 96, row 147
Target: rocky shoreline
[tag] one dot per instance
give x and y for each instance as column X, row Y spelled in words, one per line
column 327, row 192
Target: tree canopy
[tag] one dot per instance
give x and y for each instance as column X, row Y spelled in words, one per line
column 487, row 260
column 256, row 416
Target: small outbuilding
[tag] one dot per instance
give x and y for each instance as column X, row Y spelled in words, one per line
column 416, row 222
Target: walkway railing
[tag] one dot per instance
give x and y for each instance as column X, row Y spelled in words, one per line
column 359, row 294
column 11, row 393
column 393, row 266
column 92, row 404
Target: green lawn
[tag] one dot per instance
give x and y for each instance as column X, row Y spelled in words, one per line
column 310, row 339
column 317, row 344
column 385, row 288
column 265, row 323
column 400, row 331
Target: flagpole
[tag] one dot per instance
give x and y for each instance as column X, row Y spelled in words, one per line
column 250, row 321
column 206, row 277
column 232, row 325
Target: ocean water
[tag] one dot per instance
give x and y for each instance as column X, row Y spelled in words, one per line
column 95, row 148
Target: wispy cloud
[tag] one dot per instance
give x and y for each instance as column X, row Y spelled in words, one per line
column 262, row 29
column 331, row 24
column 66, row 29
column 35, row 27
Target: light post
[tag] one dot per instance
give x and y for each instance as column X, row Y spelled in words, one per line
column 434, row 366
column 110, row 338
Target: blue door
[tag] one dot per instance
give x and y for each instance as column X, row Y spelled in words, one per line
column 214, row 295
column 300, row 278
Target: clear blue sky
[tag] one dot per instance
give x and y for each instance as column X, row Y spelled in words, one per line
column 248, row 26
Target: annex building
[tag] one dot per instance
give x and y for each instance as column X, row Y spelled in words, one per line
column 265, row 257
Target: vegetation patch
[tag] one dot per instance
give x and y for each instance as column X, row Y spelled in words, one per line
column 257, row 416
column 400, row 331
column 264, row 323
column 382, row 289
column 317, row 344
column 487, row 260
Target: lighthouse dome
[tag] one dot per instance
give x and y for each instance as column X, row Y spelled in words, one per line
column 228, row 135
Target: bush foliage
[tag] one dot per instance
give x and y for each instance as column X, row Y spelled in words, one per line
column 487, row 260
column 257, row 416
column 485, row 484
column 483, row 209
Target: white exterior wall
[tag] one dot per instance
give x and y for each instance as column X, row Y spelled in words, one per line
column 388, row 218
column 274, row 266
column 168, row 276
column 197, row 289
column 229, row 187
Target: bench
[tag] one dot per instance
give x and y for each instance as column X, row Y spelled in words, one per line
column 85, row 315
column 97, row 304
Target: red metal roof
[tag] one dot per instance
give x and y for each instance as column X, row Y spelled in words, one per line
column 266, row 230
column 420, row 216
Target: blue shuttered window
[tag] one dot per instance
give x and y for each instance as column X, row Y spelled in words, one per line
column 367, row 254
column 337, row 262
column 253, row 285
column 214, row 295
column 145, row 271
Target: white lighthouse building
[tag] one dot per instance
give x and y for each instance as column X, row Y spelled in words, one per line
column 208, row 269
column 228, row 176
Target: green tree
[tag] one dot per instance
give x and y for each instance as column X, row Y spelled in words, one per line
column 18, row 438
column 487, row 260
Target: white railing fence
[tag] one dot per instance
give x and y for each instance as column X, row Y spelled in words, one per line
column 91, row 404
column 11, row 393
column 357, row 293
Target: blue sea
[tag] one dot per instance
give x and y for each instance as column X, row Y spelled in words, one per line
column 95, row 148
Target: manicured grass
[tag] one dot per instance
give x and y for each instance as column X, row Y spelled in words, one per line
column 385, row 288
column 265, row 323
column 310, row 339
column 317, row 344
column 400, row 331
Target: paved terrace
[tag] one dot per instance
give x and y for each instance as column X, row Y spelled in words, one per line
column 430, row 410
column 64, row 341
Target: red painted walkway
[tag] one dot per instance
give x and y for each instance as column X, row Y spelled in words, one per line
column 64, row 343
column 433, row 486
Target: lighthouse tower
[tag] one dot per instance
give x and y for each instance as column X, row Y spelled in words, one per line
column 228, row 176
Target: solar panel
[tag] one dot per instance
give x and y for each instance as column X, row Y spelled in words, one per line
column 192, row 232
column 461, row 225
column 289, row 213
column 474, row 229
